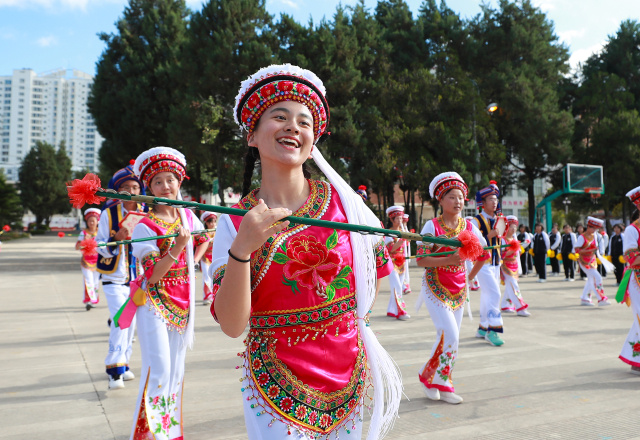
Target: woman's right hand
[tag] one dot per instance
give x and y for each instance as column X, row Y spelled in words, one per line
column 256, row 227
column 454, row 259
column 182, row 239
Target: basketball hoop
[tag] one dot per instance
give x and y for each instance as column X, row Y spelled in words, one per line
column 594, row 192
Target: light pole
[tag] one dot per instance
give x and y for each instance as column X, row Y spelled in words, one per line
column 566, row 202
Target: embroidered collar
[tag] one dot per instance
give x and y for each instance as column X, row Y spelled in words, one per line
column 313, row 207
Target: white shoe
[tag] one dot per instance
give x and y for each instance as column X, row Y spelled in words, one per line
column 567, row 279
column 508, row 311
column 116, row 384
column 128, row 375
column 431, row 393
column 571, row 279
column 206, row 302
column 604, row 303
column 587, row 303
column 542, row 280
column 451, row 398
column 404, row 317
column 524, row 313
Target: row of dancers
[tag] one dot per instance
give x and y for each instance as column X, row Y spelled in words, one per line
column 312, row 364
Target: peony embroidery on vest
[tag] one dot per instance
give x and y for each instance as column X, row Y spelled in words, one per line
column 313, row 265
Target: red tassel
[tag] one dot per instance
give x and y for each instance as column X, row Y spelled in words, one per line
column 514, row 247
column 89, row 247
column 362, row 187
column 84, row 191
column 6, row 228
column 471, row 248
column 132, row 162
column 60, row 234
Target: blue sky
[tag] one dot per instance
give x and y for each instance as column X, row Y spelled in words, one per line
column 50, row 34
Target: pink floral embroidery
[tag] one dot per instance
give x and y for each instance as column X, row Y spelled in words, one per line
column 310, row 262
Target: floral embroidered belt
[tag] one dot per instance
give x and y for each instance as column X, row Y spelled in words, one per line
column 304, row 316
column 289, row 399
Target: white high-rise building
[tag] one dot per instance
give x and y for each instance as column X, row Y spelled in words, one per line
column 50, row 107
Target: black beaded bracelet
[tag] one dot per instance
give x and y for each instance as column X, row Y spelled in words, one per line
column 238, row 259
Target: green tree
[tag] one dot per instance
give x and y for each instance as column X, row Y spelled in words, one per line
column 10, row 205
column 606, row 101
column 43, row 176
column 136, row 86
column 228, row 40
column 520, row 64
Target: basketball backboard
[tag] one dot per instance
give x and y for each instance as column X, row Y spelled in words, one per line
column 582, row 178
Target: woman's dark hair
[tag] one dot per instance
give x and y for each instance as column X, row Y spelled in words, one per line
column 619, row 226
column 579, row 225
column 541, row 226
column 635, row 216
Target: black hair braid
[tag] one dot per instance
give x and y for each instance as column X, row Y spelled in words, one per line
column 250, row 159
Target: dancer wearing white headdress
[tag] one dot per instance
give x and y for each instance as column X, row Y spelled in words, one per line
column 587, row 248
column 510, row 269
column 631, row 247
column 89, row 262
column 305, row 291
column 165, row 296
column 209, row 219
column 397, row 251
column 444, row 285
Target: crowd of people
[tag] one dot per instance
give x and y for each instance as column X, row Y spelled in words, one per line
column 306, row 290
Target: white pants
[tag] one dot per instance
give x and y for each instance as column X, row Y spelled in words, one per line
column 206, row 281
column 406, row 278
column 631, row 345
column 91, row 284
column 396, row 307
column 258, row 425
column 161, row 378
column 592, row 285
column 120, row 340
column 436, row 371
column 512, row 299
column 490, row 316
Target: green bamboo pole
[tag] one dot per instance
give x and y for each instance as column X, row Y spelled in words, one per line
column 362, row 229
column 136, row 240
column 438, row 254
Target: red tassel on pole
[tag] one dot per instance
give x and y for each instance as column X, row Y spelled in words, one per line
column 84, row 191
column 89, row 247
column 471, row 248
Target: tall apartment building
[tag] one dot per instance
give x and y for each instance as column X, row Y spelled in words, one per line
column 50, row 107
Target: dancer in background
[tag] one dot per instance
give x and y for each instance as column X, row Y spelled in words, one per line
column 166, row 290
column 444, row 286
column 554, row 245
column 631, row 348
column 587, row 247
column 523, row 238
column 616, row 251
column 579, row 232
column 118, row 267
column 305, row 291
column 566, row 249
column 397, row 251
column 406, row 282
column 209, row 219
column 490, row 327
column 540, row 249
column 88, row 263
column 509, row 271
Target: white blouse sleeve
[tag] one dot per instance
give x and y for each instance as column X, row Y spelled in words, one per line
column 478, row 234
column 225, row 234
column 630, row 239
column 81, row 236
column 427, row 229
column 143, row 248
column 579, row 242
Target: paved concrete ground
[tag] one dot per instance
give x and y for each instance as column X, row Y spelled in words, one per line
column 557, row 377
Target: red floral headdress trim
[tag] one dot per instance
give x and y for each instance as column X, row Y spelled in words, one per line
column 446, row 185
column 161, row 163
column 279, row 88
